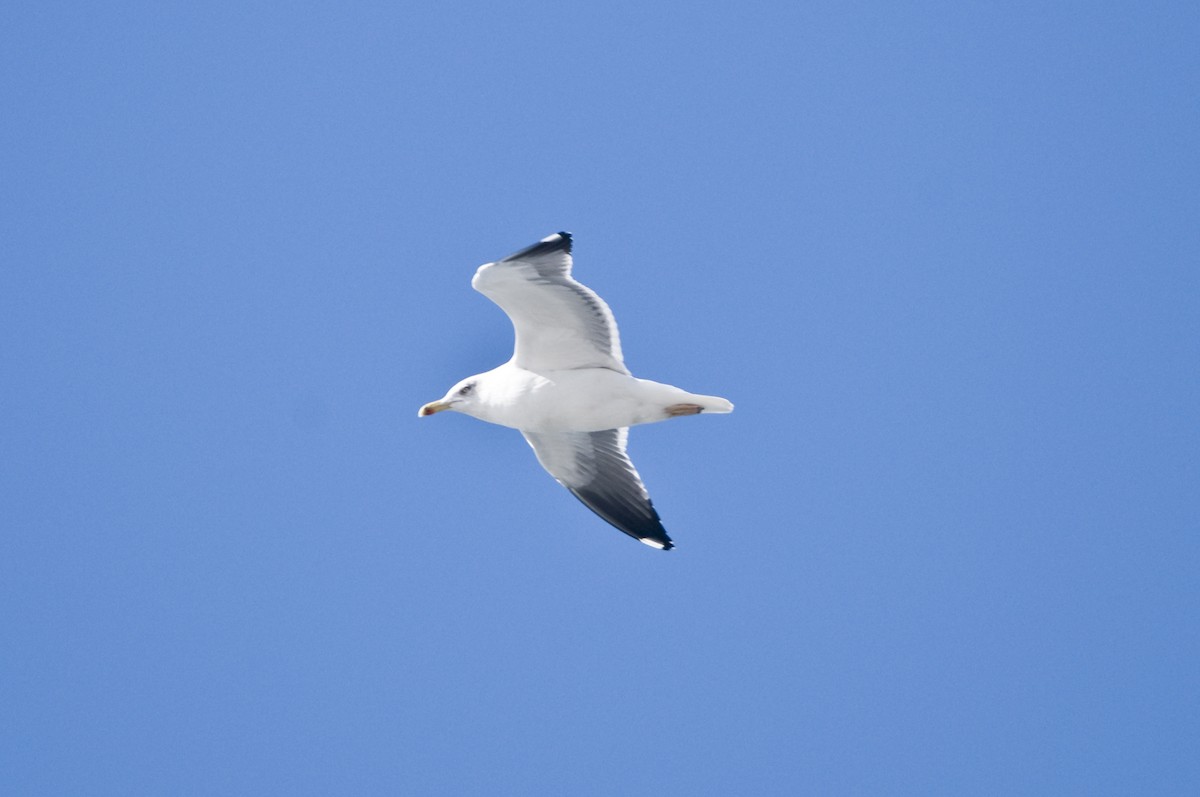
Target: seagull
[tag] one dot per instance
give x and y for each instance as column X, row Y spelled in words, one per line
column 566, row 388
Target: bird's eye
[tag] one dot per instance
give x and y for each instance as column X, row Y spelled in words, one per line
column 465, row 390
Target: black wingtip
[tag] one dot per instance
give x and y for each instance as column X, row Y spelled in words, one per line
column 558, row 242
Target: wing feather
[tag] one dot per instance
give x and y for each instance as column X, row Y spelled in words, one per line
column 597, row 471
column 559, row 323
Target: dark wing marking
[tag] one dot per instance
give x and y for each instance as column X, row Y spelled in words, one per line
column 597, row 471
column 551, row 255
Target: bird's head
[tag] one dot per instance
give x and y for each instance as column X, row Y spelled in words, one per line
column 460, row 398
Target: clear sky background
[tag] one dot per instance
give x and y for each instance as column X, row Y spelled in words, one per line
column 944, row 257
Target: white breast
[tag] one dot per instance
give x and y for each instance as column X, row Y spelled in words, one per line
column 577, row 400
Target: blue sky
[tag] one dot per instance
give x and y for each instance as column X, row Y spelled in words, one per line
column 942, row 257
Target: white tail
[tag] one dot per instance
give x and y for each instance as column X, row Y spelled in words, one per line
column 713, row 403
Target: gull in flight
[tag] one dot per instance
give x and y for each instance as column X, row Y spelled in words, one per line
column 567, row 389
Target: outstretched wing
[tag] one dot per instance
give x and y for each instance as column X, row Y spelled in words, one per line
column 559, row 324
column 597, row 471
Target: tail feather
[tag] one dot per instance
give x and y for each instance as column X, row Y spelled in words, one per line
column 713, row 403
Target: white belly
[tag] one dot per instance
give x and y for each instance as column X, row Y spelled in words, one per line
column 583, row 400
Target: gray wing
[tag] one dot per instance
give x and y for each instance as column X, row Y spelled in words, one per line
column 559, row 323
column 597, row 471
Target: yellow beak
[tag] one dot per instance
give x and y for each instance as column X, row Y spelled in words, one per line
column 432, row 407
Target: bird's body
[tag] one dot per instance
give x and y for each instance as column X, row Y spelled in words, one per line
column 576, row 400
column 567, row 389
